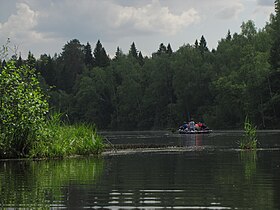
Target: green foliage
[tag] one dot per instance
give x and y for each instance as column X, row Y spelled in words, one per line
column 63, row 140
column 249, row 141
column 23, row 108
column 71, row 65
column 132, row 92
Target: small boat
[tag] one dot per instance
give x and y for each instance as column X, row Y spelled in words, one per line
column 182, row 131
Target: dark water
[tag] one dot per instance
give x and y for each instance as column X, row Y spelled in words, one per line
column 200, row 179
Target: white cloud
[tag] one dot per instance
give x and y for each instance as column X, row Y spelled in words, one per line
column 89, row 19
column 152, row 18
column 20, row 25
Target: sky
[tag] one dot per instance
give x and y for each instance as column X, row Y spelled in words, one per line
column 45, row 26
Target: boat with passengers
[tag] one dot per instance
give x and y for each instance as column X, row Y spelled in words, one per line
column 194, row 128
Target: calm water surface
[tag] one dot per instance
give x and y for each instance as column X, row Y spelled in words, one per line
column 201, row 179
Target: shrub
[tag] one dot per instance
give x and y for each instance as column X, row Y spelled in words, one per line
column 23, row 108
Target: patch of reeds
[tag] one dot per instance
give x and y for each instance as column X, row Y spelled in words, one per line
column 249, row 140
column 60, row 140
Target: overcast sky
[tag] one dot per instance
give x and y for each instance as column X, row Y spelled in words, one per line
column 45, row 26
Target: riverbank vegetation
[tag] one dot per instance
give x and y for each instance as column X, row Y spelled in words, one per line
column 60, row 140
column 25, row 130
column 131, row 92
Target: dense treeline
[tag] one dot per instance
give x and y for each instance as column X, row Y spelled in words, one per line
column 220, row 87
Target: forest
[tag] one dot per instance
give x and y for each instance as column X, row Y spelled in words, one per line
column 221, row 87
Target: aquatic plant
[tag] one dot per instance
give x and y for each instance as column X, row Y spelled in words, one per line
column 249, row 140
column 62, row 140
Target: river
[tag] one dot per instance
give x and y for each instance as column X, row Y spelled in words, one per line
column 201, row 172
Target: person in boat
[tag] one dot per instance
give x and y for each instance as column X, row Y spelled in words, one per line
column 201, row 126
column 204, row 126
column 192, row 125
column 198, row 126
column 185, row 126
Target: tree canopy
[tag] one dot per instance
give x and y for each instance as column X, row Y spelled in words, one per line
column 220, row 87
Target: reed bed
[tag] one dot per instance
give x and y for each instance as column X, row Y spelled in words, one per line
column 61, row 140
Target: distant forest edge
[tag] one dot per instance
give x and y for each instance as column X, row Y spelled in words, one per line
column 240, row 78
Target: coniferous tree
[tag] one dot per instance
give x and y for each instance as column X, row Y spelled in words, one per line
column 105, row 58
column 196, row 45
column 169, row 49
column 88, row 56
column 162, row 49
column 140, row 59
column 101, row 59
column 119, row 53
column 228, row 38
column 133, row 51
column 202, row 45
column 31, row 60
column 47, row 69
column 19, row 61
column 71, row 64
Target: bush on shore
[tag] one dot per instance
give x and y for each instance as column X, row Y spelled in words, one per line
column 23, row 108
column 24, row 128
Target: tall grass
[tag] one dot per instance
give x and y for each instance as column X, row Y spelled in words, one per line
column 60, row 140
column 249, row 140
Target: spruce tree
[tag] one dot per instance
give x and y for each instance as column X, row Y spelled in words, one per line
column 133, row 51
column 119, row 53
column 162, row 49
column 31, row 60
column 141, row 59
column 71, row 63
column 228, row 38
column 196, row 44
column 101, row 59
column 88, row 56
column 202, row 45
column 169, row 49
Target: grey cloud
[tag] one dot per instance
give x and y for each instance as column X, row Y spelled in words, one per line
column 265, row 2
column 6, row 8
column 230, row 12
column 89, row 19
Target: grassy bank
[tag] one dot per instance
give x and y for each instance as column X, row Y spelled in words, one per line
column 61, row 140
column 55, row 139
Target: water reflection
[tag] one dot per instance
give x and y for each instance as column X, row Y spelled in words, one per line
column 41, row 184
column 249, row 161
column 200, row 179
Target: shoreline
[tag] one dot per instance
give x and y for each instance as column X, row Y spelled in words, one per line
column 141, row 150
